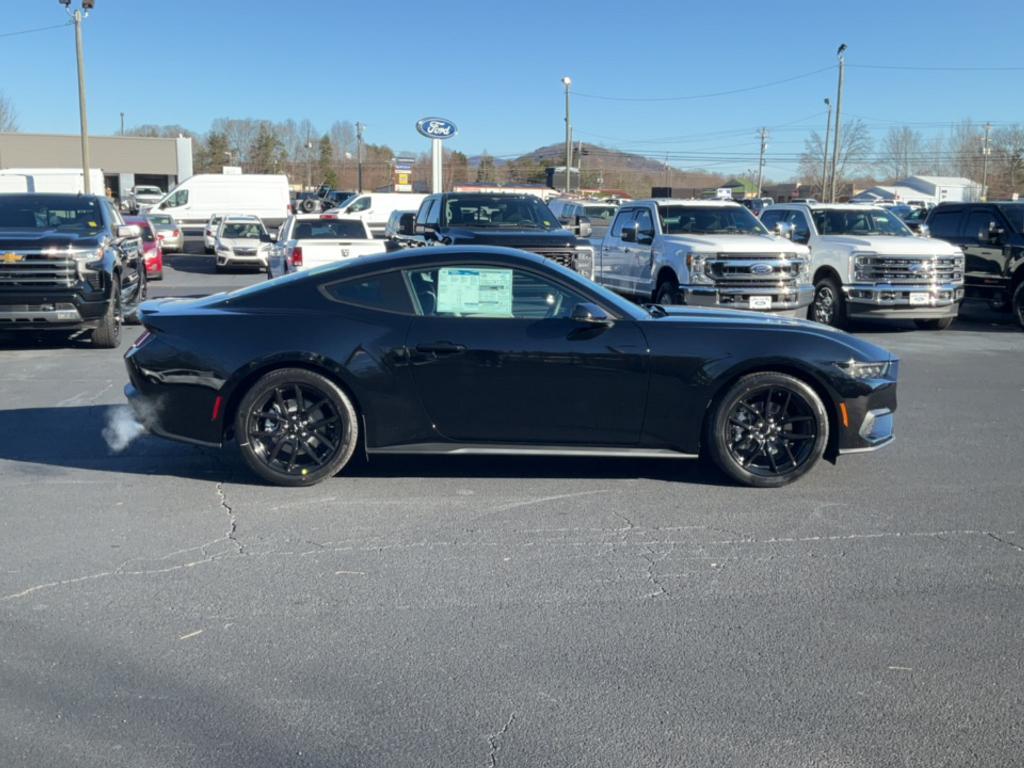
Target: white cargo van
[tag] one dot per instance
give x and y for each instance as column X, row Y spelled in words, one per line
column 198, row 197
column 375, row 208
column 60, row 180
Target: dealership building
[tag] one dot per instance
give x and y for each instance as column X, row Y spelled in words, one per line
column 124, row 160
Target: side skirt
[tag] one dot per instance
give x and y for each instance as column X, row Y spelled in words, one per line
column 500, row 449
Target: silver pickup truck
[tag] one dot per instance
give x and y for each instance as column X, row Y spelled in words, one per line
column 701, row 252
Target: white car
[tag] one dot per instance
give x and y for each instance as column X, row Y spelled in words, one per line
column 311, row 240
column 210, row 232
column 143, row 197
column 375, row 208
column 242, row 241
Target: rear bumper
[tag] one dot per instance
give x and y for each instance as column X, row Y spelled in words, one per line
column 783, row 300
column 893, row 301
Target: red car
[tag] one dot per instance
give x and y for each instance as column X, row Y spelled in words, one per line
column 152, row 251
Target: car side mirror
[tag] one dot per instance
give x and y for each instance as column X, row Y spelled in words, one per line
column 590, row 314
column 784, row 229
column 923, row 231
column 129, row 230
column 629, row 233
column 583, row 226
column 407, row 225
column 995, row 234
column 427, row 230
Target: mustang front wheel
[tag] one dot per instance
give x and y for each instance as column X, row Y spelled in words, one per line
column 768, row 430
column 296, row 427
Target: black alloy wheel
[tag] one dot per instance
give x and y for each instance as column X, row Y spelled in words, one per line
column 829, row 305
column 768, row 430
column 1018, row 304
column 668, row 293
column 107, row 333
column 296, row 427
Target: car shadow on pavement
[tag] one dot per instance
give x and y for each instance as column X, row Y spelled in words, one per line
column 72, row 437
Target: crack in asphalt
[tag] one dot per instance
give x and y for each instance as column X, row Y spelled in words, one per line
column 1007, row 542
column 652, row 558
column 493, row 741
column 232, row 519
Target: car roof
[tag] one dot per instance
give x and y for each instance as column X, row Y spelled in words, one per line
column 682, row 201
column 828, row 206
column 242, row 217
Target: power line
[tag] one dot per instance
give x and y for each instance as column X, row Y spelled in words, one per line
column 704, row 95
column 937, row 69
column 37, row 29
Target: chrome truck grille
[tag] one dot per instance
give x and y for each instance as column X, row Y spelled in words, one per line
column 37, row 269
column 908, row 269
column 753, row 269
column 564, row 256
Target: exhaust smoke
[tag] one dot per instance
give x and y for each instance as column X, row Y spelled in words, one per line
column 124, row 427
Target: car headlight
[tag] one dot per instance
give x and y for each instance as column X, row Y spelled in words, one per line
column 864, row 371
column 585, row 262
column 858, row 264
column 221, row 248
column 696, row 264
column 88, row 260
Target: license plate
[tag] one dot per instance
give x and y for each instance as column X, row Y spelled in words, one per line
column 760, row 302
column 918, row 299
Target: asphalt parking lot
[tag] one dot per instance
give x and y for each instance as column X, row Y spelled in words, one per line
column 159, row 607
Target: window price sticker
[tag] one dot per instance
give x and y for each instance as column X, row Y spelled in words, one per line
column 462, row 291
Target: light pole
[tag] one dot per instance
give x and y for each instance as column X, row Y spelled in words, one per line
column 760, row 162
column 122, row 123
column 359, row 157
column 567, row 81
column 309, row 162
column 839, row 118
column 77, row 16
column 986, row 150
column 824, row 162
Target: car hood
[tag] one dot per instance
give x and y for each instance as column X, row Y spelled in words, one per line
column 31, row 239
column 744, row 320
column 511, row 238
column 890, row 246
column 738, row 243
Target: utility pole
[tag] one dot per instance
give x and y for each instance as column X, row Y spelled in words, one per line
column 77, row 17
column 824, row 161
column 359, row 157
column 122, row 123
column 760, row 162
column 837, row 141
column 309, row 161
column 986, row 150
column 579, row 162
column 567, row 81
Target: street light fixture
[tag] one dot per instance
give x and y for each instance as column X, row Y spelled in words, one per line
column 567, row 81
column 77, row 17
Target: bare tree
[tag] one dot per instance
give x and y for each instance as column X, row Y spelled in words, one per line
column 965, row 145
column 1008, row 161
column 8, row 116
column 901, row 152
column 854, row 155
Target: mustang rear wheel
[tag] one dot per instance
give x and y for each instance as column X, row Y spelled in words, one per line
column 296, row 427
column 768, row 430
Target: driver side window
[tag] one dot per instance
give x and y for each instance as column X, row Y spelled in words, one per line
column 801, row 229
column 359, row 205
column 490, row 292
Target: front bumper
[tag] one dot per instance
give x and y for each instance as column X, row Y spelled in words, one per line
column 235, row 260
column 891, row 301
column 866, row 418
column 783, row 300
column 54, row 310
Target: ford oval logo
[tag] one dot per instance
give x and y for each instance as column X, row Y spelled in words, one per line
column 436, row 128
column 762, row 269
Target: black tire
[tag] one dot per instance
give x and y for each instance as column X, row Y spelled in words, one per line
column 767, row 430
column 283, row 410
column 1018, row 304
column 829, row 304
column 310, row 205
column 938, row 324
column 107, row 335
column 668, row 293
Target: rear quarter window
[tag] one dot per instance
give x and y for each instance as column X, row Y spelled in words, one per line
column 386, row 292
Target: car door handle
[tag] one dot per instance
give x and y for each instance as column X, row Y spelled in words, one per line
column 441, row 348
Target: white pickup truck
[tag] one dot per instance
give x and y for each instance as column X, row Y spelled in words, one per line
column 867, row 263
column 310, row 240
column 707, row 253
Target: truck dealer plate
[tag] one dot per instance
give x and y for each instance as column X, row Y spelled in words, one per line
column 917, row 299
column 760, row 302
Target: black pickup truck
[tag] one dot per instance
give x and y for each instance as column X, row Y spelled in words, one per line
column 509, row 220
column 68, row 263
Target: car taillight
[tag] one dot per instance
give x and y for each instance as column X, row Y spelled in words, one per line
column 328, row 216
column 146, row 336
column 296, row 257
column 177, row 233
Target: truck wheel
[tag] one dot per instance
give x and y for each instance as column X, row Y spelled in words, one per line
column 829, row 305
column 939, row 324
column 767, row 430
column 668, row 293
column 107, row 335
column 309, row 205
column 295, row 427
column 1018, row 304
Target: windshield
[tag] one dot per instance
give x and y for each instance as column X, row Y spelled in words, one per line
column 600, row 213
column 239, row 229
column 708, row 220
column 498, row 212
column 328, row 229
column 148, row 191
column 868, row 221
column 60, row 213
column 1015, row 213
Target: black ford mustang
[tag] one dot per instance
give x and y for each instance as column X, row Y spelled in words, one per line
column 497, row 351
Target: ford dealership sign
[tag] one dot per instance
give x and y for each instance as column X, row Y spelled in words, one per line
column 436, row 128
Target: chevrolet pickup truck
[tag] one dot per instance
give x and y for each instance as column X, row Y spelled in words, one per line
column 68, row 263
column 706, row 253
column 868, row 264
column 309, row 240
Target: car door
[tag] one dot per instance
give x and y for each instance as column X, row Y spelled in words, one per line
column 613, row 270
column 638, row 264
column 496, row 358
column 133, row 267
column 983, row 247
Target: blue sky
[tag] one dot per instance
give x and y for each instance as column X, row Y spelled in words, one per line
column 495, row 69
